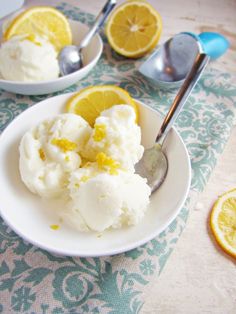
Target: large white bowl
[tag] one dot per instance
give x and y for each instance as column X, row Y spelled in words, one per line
column 92, row 54
column 30, row 218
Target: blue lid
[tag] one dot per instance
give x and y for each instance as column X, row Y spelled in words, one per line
column 213, row 44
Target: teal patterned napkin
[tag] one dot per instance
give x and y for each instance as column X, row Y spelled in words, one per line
column 35, row 281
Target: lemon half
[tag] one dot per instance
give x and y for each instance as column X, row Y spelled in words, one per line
column 91, row 101
column 43, row 21
column 134, row 28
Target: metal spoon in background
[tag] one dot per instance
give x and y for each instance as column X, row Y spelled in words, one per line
column 154, row 164
column 71, row 57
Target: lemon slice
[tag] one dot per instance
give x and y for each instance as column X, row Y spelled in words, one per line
column 223, row 222
column 43, row 21
column 91, row 101
column 134, row 28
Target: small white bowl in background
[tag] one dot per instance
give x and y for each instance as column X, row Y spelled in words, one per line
column 92, row 54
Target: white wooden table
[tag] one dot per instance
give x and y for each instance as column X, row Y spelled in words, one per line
column 198, row 278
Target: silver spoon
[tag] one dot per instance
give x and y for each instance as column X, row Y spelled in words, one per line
column 154, row 164
column 71, row 57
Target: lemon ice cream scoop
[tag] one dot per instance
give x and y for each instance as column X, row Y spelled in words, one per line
column 50, row 152
column 28, row 59
column 116, row 134
column 100, row 200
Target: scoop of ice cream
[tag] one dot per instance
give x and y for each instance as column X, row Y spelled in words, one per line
column 117, row 135
column 50, row 152
column 101, row 200
column 135, row 195
column 28, row 59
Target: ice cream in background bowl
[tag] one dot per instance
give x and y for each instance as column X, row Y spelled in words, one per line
column 29, row 64
column 28, row 59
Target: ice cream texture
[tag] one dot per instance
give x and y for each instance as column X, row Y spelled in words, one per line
column 28, row 59
column 49, row 153
column 93, row 167
column 101, row 200
column 117, row 135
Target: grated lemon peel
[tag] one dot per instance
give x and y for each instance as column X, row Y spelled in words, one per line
column 32, row 38
column 99, row 132
column 64, row 144
column 106, row 163
column 42, row 154
column 54, row 227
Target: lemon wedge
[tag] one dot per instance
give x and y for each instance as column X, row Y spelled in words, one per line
column 223, row 222
column 91, row 101
column 42, row 21
column 134, row 28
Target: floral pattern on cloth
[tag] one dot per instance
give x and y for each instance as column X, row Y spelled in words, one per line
column 35, row 281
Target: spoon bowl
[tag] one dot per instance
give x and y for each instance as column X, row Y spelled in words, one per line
column 70, row 60
column 169, row 65
column 153, row 166
column 71, row 57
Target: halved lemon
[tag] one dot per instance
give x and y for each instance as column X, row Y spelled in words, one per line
column 91, row 101
column 43, row 21
column 134, row 28
column 223, row 222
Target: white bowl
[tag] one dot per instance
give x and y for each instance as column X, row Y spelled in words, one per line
column 92, row 54
column 30, row 218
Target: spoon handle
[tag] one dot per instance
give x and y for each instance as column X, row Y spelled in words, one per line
column 182, row 96
column 98, row 23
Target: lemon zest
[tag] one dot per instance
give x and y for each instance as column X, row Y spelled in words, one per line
column 67, row 158
column 99, row 132
column 32, row 38
column 42, row 154
column 54, row 227
column 64, row 144
column 106, row 163
column 84, row 178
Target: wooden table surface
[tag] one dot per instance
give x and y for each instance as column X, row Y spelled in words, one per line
column 198, row 277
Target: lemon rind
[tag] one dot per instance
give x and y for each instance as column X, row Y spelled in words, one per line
column 214, row 225
column 72, row 101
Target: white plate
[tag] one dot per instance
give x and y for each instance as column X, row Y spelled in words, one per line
column 27, row 216
column 92, row 54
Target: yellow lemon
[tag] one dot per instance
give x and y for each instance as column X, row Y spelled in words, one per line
column 91, row 101
column 43, row 21
column 134, row 28
column 223, row 222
